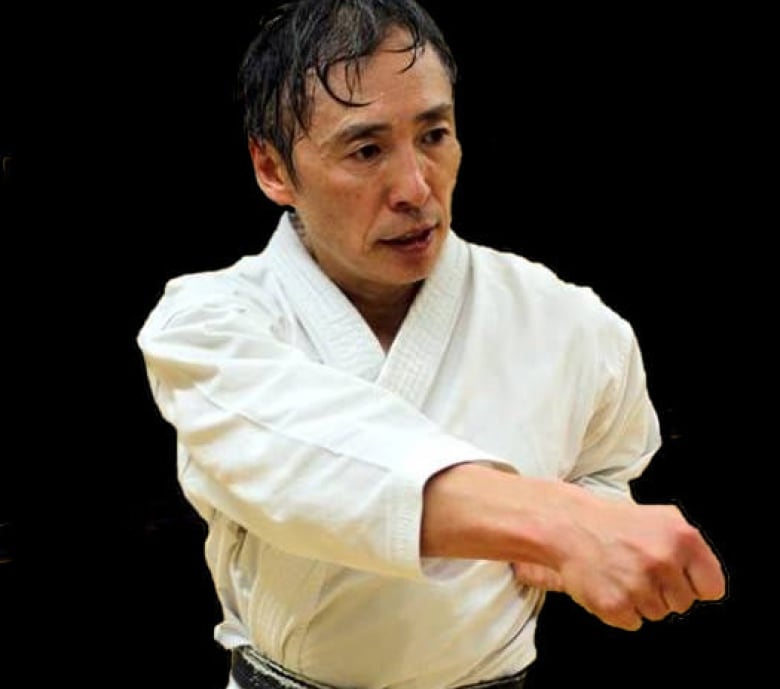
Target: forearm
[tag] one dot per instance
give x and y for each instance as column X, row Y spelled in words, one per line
column 478, row 512
column 621, row 561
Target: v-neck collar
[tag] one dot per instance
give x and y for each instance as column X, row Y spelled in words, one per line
column 343, row 337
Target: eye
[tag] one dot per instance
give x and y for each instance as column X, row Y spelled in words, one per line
column 366, row 153
column 436, row 136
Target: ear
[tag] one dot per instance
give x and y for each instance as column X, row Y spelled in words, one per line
column 271, row 173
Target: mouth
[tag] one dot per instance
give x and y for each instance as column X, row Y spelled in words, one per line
column 415, row 238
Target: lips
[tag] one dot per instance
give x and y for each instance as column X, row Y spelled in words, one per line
column 410, row 238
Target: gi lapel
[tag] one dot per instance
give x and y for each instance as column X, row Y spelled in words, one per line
column 344, row 340
column 340, row 335
column 417, row 351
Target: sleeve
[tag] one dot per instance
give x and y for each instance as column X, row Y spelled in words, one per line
column 623, row 434
column 315, row 461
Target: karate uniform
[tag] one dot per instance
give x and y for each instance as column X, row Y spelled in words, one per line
column 305, row 447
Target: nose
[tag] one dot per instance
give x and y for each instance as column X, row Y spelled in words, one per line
column 408, row 181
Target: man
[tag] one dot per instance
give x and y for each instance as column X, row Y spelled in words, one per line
column 400, row 440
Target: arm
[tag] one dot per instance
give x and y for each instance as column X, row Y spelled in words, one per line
column 623, row 433
column 584, row 536
column 316, row 461
column 621, row 561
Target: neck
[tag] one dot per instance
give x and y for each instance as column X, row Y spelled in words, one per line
column 384, row 309
column 386, row 312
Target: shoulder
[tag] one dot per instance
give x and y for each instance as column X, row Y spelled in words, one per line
column 245, row 287
column 532, row 282
column 534, row 293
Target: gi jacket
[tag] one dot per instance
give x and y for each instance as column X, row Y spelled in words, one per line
column 305, row 447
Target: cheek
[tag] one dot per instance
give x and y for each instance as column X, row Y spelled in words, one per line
column 447, row 174
column 345, row 190
column 457, row 156
column 450, row 163
column 328, row 201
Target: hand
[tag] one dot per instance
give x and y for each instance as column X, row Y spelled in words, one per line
column 625, row 562
column 538, row 576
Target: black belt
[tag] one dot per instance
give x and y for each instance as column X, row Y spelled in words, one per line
column 261, row 673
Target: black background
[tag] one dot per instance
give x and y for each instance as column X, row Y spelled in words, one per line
column 620, row 148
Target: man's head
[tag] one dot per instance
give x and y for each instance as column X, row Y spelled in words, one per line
column 306, row 39
column 351, row 122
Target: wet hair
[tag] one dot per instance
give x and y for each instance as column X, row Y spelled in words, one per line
column 307, row 38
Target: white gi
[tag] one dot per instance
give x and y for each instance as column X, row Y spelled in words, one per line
column 306, row 448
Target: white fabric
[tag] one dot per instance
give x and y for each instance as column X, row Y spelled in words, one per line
column 306, row 449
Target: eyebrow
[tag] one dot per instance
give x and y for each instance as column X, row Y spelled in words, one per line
column 361, row 130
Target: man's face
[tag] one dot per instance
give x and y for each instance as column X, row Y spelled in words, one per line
column 375, row 183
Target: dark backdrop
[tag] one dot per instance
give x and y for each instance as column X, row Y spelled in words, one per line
column 612, row 146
